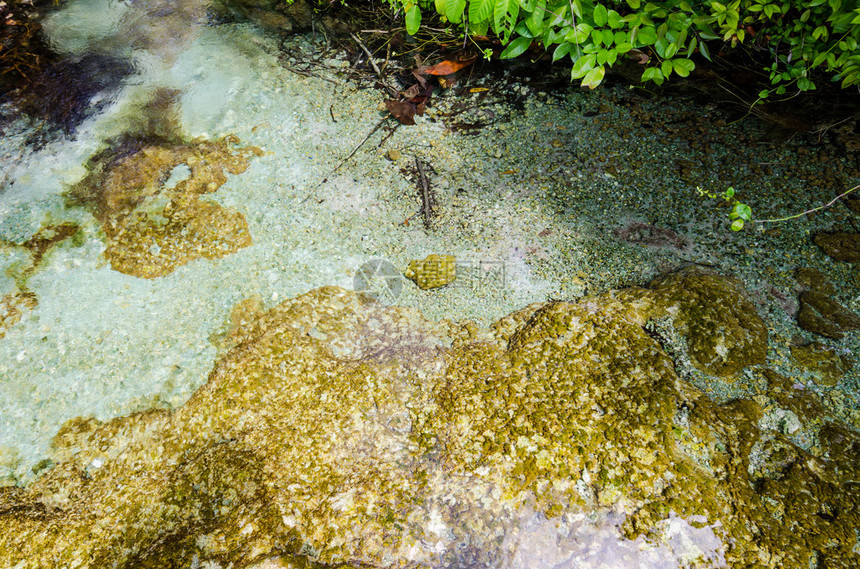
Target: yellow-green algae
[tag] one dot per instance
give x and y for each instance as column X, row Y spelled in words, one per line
column 14, row 304
column 825, row 365
column 433, row 271
column 335, row 431
column 151, row 228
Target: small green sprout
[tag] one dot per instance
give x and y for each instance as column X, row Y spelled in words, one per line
column 740, row 212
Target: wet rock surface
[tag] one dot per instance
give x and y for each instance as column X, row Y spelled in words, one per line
column 825, row 364
column 150, row 203
column 433, row 271
column 824, row 316
column 840, row 246
column 342, row 432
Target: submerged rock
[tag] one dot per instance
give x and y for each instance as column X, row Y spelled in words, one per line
column 824, row 316
column 824, row 364
column 840, row 246
column 345, row 433
column 433, row 271
column 149, row 200
column 723, row 330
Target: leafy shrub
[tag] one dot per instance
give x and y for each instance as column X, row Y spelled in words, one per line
column 800, row 37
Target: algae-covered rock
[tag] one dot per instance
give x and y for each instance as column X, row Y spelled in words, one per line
column 839, row 246
column 724, row 332
column 825, row 316
column 349, row 434
column 433, row 271
column 827, row 366
column 813, row 279
column 153, row 226
column 15, row 304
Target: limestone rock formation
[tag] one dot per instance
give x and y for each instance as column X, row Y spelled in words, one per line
column 344, row 433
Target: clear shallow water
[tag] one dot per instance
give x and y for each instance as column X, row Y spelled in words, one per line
column 539, row 195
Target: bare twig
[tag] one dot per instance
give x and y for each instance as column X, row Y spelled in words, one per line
column 391, row 92
column 345, row 160
column 427, row 207
column 369, row 55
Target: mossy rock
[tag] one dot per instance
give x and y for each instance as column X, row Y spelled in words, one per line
column 723, row 330
column 824, row 364
column 839, row 246
column 822, row 315
column 153, row 228
column 344, row 433
column 433, row 271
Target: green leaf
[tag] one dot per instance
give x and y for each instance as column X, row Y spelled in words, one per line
column 703, row 49
column 646, row 36
column 479, row 28
column 505, row 14
column 653, row 74
column 596, row 37
column 666, row 67
column 614, row 19
column 513, row 12
column 522, row 29
column 819, row 59
column 579, row 34
column 413, row 19
column 454, row 10
column 516, row 48
column 737, row 225
column 480, row 10
column 683, row 66
column 619, row 38
column 500, row 9
column 582, row 66
column 805, row 84
column 730, row 191
column 634, row 4
column 742, row 211
column 691, row 49
column 671, row 50
column 535, row 19
column 594, row 77
column 763, row 94
column 608, row 37
column 560, row 51
column 600, row 15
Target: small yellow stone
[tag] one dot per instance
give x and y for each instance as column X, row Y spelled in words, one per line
column 433, row 272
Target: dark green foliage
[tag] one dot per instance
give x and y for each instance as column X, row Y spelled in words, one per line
column 805, row 39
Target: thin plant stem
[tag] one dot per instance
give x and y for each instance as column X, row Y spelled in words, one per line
column 807, row 212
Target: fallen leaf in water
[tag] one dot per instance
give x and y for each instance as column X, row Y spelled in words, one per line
column 403, row 111
column 448, row 67
column 420, row 77
column 411, row 92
